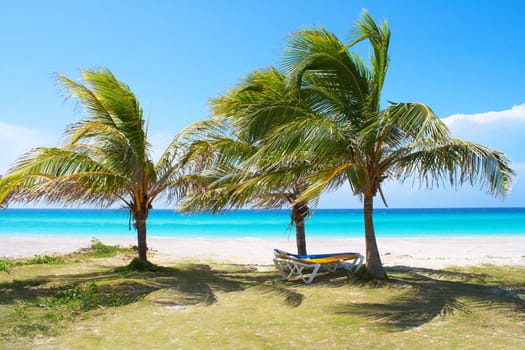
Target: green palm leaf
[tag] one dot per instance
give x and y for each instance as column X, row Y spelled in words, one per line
column 345, row 136
column 106, row 158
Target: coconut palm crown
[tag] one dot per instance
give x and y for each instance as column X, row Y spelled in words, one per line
column 231, row 139
column 105, row 160
column 360, row 143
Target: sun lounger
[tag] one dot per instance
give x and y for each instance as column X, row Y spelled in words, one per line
column 290, row 265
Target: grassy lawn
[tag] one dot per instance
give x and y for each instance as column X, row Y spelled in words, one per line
column 91, row 300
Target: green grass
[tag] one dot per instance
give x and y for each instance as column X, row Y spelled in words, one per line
column 95, row 251
column 104, row 303
column 100, row 250
column 5, row 265
column 45, row 259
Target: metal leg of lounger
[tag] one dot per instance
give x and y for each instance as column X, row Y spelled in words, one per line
column 358, row 263
column 354, row 265
column 289, row 268
column 331, row 267
column 285, row 267
column 279, row 265
column 312, row 274
column 296, row 269
column 348, row 265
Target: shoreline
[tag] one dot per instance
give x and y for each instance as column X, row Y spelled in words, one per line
column 422, row 252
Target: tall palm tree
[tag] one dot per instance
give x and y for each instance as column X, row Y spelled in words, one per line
column 233, row 137
column 362, row 144
column 105, row 159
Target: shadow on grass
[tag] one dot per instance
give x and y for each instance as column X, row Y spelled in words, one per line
column 37, row 305
column 286, row 291
column 188, row 284
column 416, row 296
column 434, row 293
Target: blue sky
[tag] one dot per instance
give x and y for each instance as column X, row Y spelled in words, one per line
column 465, row 59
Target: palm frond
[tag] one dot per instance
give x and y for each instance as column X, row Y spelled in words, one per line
column 456, row 162
column 379, row 38
column 319, row 137
column 109, row 102
column 180, row 187
column 61, row 175
column 417, row 121
column 332, row 178
column 179, row 150
column 399, row 125
column 257, row 105
column 320, row 52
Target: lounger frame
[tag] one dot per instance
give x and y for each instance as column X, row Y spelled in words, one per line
column 290, row 265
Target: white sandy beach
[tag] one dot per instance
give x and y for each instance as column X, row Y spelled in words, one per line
column 414, row 252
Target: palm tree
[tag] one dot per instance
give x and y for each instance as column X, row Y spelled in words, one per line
column 362, row 144
column 105, row 160
column 2, row 205
column 230, row 184
column 233, row 137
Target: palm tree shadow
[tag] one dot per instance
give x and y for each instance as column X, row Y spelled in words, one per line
column 189, row 284
column 201, row 280
column 432, row 294
column 287, row 292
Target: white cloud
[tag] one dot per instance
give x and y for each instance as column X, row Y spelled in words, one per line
column 16, row 140
column 502, row 130
column 511, row 116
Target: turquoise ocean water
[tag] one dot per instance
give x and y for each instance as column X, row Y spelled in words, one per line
column 274, row 223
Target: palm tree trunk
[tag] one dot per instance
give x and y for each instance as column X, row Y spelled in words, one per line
column 299, row 212
column 373, row 260
column 300, row 237
column 140, row 224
